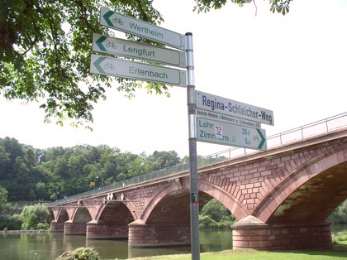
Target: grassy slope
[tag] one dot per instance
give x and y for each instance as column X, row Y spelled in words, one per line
column 338, row 254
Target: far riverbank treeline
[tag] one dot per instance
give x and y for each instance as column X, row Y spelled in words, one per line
column 30, row 174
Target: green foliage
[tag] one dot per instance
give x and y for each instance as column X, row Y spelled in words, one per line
column 340, row 237
column 35, row 217
column 337, row 254
column 279, row 6
column 10, row 222
column 339, row 216
column 3, row 197
column 215, row 215
column 42, row 226
column 41, row 175
column 207, row 222
column 45, row 49
column 81, row 253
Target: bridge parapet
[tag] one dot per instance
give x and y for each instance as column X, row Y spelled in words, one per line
column 298, row 134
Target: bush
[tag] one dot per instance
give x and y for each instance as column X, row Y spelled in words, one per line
column 207, row 222
column 35, row 217
column 81, row 253
column 10, row 222
column 3, row 197
column 42, row 226
column 339, row 216
column 340, row 237
column 214, row 215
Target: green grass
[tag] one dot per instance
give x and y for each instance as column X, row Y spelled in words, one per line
column 340, row 237
column 339, row 253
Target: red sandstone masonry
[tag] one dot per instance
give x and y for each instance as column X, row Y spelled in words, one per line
column 74, row 229
column 158, row 235
column 57, row 227
column 100, row 231
column 283, row 237
column 254, row 185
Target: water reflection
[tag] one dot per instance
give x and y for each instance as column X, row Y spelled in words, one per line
column 49, row 246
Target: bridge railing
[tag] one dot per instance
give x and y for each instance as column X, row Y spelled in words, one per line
column 297, row 134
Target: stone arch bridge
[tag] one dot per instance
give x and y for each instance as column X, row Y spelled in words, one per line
column 281, row 199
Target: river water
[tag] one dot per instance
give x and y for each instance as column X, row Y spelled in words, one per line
column 48, row 246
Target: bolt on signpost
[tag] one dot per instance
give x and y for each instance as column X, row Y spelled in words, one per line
column 109, row 65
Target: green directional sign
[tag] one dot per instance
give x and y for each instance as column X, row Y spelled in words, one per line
column 140, row 28
column 119, row 47
column 221, row 132
column 106, row 65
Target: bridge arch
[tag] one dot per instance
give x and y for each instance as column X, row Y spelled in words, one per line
column 205, row 187
column 81, row 216
column 308, row 195
column 62, row 216
column 165, row 221
column 111, row 222
column 115, row 212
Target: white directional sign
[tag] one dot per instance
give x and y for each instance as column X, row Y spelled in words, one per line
column 227, row 118
column 220, row 132
column 140, row 28
column 106, row 65
column 125, row 48
column 234, row 108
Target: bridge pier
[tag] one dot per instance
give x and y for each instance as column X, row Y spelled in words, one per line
column 251, row 233
column 105, row 231
column 57, row 227
column 74, row 228
column 156, row 235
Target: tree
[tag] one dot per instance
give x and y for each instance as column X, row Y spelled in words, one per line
column 279, row 6
column 163, row 159
column 35, row 217
column 45, row 51
column 215, row 215
column 3, row 197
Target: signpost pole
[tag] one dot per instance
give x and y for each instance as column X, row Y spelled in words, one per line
column 194, row 192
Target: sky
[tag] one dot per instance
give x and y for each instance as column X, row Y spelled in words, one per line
column 294, row 65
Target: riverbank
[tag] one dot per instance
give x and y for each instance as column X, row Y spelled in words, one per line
column 18, row 232
column 339, row 252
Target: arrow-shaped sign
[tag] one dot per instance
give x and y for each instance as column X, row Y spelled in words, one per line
column 100, row 42
column 221, row 132
column 106, row 65
column 107, row 17
column 141, row 28
column 262, row 141
column 120, row 47
column 97, row 64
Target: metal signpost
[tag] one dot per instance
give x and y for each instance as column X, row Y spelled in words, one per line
column 193, row 165
column 107, row 65
column 211, row 118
